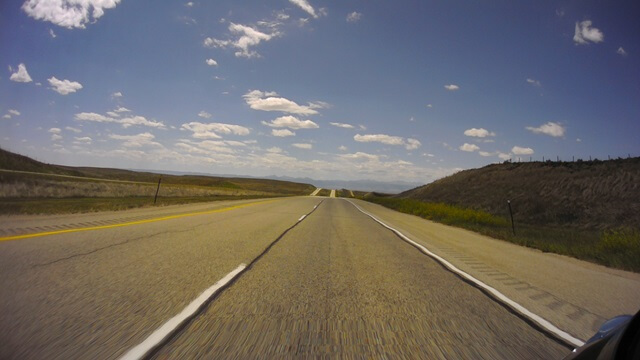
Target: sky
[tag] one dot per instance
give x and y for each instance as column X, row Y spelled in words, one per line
column 330, row 90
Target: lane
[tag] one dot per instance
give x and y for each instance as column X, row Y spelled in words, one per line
column 333, row 193
column 339, row 285
column 95, row 294
column 315, row 192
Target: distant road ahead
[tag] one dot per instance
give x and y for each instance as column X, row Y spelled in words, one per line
column 335, row 284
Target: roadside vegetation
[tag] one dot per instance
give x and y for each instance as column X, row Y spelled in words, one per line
column 31, row 187
column 589, row 210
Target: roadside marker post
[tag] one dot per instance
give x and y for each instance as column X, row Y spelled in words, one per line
column 513, row 227
column 155, row 198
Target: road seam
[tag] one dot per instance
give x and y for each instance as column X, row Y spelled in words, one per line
column 176, row 324
column 531, row 317
column 101, row 227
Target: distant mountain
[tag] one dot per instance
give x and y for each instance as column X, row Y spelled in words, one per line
column 587, row 194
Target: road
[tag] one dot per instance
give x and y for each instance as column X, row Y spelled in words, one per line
column 332, row 282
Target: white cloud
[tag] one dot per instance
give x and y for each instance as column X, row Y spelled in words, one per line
column 113, row 114
column 429, row 105
column 342, row 125
column 269, row 101
column 550, row 128
column 189, row 4
column 282, row 132
column 304, row 5
column 75, row 130
column 68, row 13
column 6, row 116
column 211, row 130
column 135, row 141
column 534, row 82
column 409, row 144
column 412, row 144
column 584, row 33
column 83, row 140
column 139, row 120
column 122, row 109
column 469, row 147
column 116, row 95
column 125, row 122
column 211, row 62
column 360, row 156
column 621, row 51
column 55, row 134
column 246, row 37
column 354, row 17
column 517, row 150
column 342, row 148
column 481, row 133
column 64, row 87
column 14, row 112
column 504, row 156
column 485, row 153
column 381, row 138
column 452, row 87
column 302, row 146
column 21, row 75
column 291, row 122
column 274, row 150
column 204, row 114
column 52, row 34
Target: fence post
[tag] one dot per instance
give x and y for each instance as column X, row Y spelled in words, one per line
column 513, row 227
column 157, row 190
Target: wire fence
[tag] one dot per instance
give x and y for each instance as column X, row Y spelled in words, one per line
column 558, row 158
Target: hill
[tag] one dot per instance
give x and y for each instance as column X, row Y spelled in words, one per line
column 584, row 194
column 12, row 161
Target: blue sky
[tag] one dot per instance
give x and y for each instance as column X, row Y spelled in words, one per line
column 393, row 90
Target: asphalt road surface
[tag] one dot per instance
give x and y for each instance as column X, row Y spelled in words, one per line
column 337, row 284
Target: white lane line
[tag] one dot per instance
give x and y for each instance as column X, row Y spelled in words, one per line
column 302, row 217
column 141, row 350
column 495, row 293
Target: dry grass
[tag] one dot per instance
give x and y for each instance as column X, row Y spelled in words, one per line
column 45, row 188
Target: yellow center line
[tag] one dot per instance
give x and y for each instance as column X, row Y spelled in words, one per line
column 170, row 217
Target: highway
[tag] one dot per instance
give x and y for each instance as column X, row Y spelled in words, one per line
column 323, row 280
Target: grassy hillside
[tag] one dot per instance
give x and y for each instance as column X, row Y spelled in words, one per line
column 47, row 188
column 587, row 194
